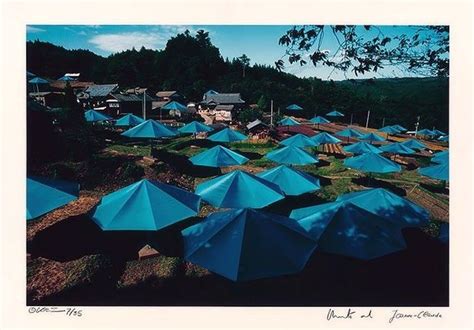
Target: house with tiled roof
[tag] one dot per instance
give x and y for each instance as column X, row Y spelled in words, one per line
column 224, row 106
column 96, row 95
column 124, row 103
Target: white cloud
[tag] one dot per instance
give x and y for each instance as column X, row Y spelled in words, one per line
column 32, row 29
column 155, row 38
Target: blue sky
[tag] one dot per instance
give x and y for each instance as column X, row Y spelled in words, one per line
column 258, row 42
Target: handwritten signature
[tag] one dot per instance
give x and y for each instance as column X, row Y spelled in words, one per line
column 396, row 315
column 68, row 311
column 347, row 315
column 420, row 315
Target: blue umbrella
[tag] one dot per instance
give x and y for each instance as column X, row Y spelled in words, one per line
column 414, row 144
column 372, row 163
column 441, row 157
column 218, row 156
column 400, row 128
column 349, row 133
column 426, row 132
column 439, row 172
column 372, row 137
column 384, row 203
column 37, row 81
column 389, row 130
column 443, row 138
column 438, row 132
column 95, row 116
column 173, row 105
column 145, row 205
column 361, row 148
column 44, row 195
column 335, row 114
column 346, row 229
column 248, row 244
column 149, row 129
column 291, row 181
column 319, row 120
column 294, row 107
column 227, row 135
column 299, row 140
column 287, row 121
column 129, row 120
column 397, row 148
column 291, row 155
column 66, row 78
column 239, row 189
column 194, row 127
column 325, row 138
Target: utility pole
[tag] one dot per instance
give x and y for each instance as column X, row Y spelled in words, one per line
column 416, row 125
column 351, row 117
column 383, row 122
column 367, row 121
column 144, row 106
column 271, row 113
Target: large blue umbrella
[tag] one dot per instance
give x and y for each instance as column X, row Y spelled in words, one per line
column 287, row 121
column 173, row 105
column 400, row 128
column 194, row 127
column 227, row 135
column 392, row 207
column 349, row 133
column 299, row 140
column 426, row 132
column 218, row 156
column 372, row 163
column 145, row 205
column 414, row 144
column 95, row 116
column 294, row 107
column 149, row 129
column 438, row 132
column 372, row 137
column 441, row 157
column 389, row 130
column 248, row 244
column 38, row 81
column 44, row 195
column 129, row 121
column 439, row 172
column 361, row 148
column 443, row 138
column 319, row 120
column 291, row 155
column 325, row 138
column 66, row 78
column 239, row 189
column 335, row 114
column 293, row 182
column 397, row 148
column 346, row 229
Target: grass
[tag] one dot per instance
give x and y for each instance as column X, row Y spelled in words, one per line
column 336, row 188
column 136, row 150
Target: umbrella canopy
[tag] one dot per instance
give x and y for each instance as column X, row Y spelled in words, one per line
column 349, row 132
column 397, row 148
column 95, row 116
column 291, row 155
column 173, row 105
column 335, row 114
column 299, row 140
column 239, row 189
column 361, row 148
column 426, row 132
column 248, row 244
column 443, row 138
column 372, row 137
column 218, row 156
column 287, row 121
column 389, row 130
column 293, row 107
column 346, row 229
column 439, row 172
column 129, row 120
column 438, row 132
column 194, row 127
column 149, row 129
column 325, row 138
column 227, row 135
column 319, row 120
column 145, row 205
column 414, row 144
column 372, row 163
column 400, row 128
column 38, row 80
column 441, row 157
column 66, row 78
column 292, row 181
column 388, row 205
column 44, row 195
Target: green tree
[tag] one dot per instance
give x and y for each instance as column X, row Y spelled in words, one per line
column 244, row 61
column 73, row 112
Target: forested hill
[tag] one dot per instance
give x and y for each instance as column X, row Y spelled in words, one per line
column 193, row 65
